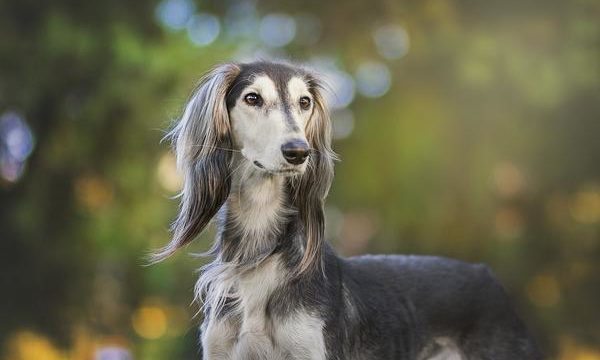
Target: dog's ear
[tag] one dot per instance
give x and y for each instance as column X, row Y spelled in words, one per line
column 202, row 144
column 314, row 184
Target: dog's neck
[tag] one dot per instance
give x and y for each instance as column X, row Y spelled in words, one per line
column 255, row 222
column 254, row 217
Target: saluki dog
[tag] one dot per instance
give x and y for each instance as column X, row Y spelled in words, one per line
column 253, row 145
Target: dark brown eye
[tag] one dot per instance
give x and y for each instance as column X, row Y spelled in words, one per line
column 305, row 102
column 253, row 99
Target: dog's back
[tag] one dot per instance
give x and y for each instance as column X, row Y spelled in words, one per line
column 421, row 307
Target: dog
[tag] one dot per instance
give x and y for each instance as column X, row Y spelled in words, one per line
column 253, row 145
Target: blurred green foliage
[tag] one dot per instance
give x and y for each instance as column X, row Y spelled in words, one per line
column 484, row 148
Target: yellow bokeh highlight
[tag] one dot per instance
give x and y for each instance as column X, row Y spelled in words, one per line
column 93, row 193
column 150, row 322
column 585, row 206
column 167, row 175
column 27, row 345
column 570, row 350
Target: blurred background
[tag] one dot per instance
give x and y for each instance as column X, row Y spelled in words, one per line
column 466, row 128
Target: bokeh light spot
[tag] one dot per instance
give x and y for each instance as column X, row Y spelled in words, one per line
column 277, row 30
column 203, row 29
column 343, row 89
column 241, row 20
column 392, row 41
column 585, row 205
column 16, row 144
column 573, row 350
column 27, row 345
column 373, row 79
column 342, row 123
column 167, row 175
column 16, row 135
column 175, row 14
column 150, row 322
column 93, row 193
column 113, row 353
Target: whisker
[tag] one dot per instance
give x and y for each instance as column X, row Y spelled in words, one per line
column 217, row 147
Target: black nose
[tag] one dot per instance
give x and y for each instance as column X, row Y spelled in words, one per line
column 295, row 152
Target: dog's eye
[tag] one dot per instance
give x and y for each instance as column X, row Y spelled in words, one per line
column 253, row 99
column 305, row 102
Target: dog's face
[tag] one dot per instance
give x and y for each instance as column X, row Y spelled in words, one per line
column 275, row 115
column 269, row 109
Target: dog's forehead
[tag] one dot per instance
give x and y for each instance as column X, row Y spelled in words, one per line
column 297, row 87
column 283, row 77
column 280, row 74
column 264, row 85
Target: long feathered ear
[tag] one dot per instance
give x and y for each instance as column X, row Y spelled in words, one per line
column 202, row 144
column 315, row 182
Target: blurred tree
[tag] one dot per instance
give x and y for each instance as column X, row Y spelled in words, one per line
column 466, row 129
column 58, row 65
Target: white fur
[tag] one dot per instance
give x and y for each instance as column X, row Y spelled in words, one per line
column 445, row 349
column 302, row 335
column 218, row 338
column 249, row 334
column 256, row 202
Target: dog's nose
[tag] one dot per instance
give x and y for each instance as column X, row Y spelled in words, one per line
column 295, row 152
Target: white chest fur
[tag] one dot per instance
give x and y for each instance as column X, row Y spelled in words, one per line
column 251, row 334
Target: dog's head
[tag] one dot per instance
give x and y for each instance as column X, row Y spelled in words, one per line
column 270, row 106
column 275, row 116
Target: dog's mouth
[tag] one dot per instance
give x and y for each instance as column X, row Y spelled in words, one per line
column 286, row 172
column 258, row 165
column 283, row 171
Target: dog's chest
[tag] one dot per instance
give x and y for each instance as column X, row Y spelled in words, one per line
column 251, row 333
